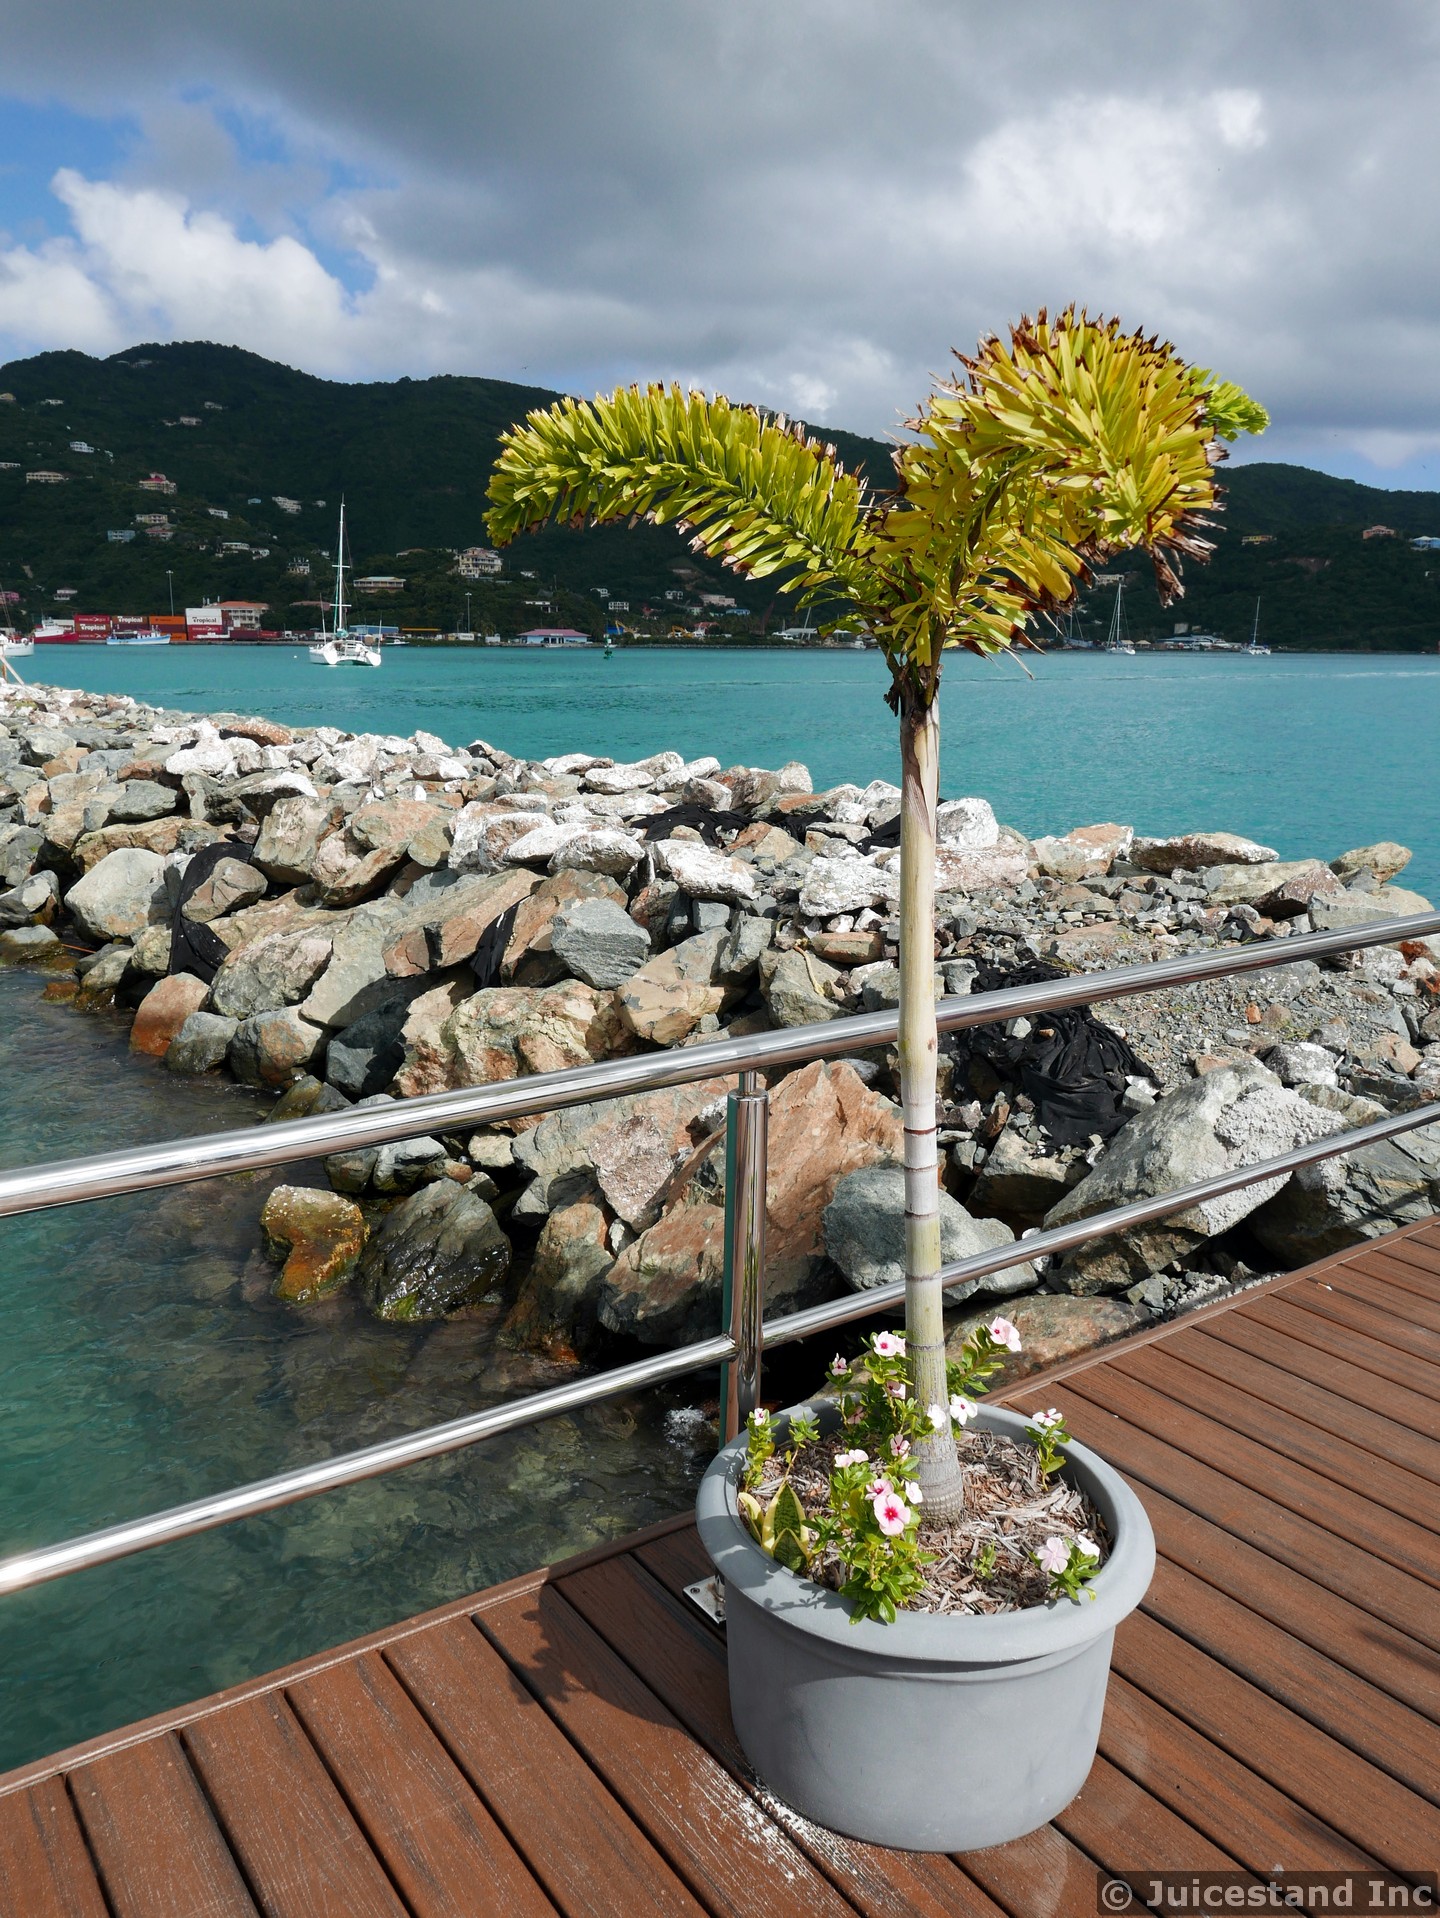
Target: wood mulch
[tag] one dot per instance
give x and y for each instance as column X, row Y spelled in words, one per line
column 563, row 1743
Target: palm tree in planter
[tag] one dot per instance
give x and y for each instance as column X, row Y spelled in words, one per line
column 1067, row 443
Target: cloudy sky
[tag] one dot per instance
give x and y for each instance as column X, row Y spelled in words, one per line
column 805, row 202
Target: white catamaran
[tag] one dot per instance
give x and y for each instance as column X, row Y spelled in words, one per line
column 341, row 647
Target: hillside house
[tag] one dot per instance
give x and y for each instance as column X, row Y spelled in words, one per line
column 189, row 419
column 121, row 535
column 156, row 483
column 213, row 406
column 1378, row 532
column 1257, row 539
column 379, row 583
column 285, row 503
column 1427, row 543
column 160, row 532
column 723, row 600
column 234, row 546
column 42, row 476
column 66, row 592
column 243, row 615
column 299, row 568
column 478, row 562
column 152, row 519
column 218, row 512
column 81, row 446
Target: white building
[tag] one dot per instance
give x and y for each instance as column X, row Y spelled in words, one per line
column 285, row 504
column 42, row 476
column 478, row 562
column 218, row 512
column 122, row 536
column 156, row 483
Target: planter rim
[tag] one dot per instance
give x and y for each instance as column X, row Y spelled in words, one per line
column 1040, row 1631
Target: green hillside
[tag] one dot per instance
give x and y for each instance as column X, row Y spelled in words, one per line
column 411, row 459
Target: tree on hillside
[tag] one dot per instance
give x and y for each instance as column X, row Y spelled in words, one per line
column 1046, row 452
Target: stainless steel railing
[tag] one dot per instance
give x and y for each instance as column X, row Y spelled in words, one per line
column 739, row 1349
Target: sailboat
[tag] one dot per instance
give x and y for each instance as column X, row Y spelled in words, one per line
column 12, row 646
column 1117, row 640
column 1255, row 650
column 342, row 648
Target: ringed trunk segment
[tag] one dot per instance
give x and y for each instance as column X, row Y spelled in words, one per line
column 940, row 1476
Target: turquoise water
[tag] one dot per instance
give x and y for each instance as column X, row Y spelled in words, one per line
column 144, row 1363
column 1310, row 753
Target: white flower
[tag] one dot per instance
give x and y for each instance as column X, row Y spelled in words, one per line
column 1004, row 1333
column 936, row 1416
column 1054, row 1555
column 889, row 1345
column 914, row 1494
column 1047, row 1421
column 759, row 1417
column 857, row 1457
column 1087, row 1545
column 899, row 1447
column 838, row 1367
column 962, row 1410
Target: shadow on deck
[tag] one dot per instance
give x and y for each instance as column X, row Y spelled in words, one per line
column 563, row 1742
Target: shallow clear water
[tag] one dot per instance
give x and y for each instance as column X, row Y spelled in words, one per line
column 1310, row 753
column 144, row 1363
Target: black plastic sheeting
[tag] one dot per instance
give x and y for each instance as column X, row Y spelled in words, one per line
column 193, row 947
column 660, row 825
column 1070, row 1065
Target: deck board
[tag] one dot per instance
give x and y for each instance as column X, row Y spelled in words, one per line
column 563, row 1743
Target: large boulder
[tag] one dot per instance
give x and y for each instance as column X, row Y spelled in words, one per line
column 290, row 838
column 506, row 1032
column 119, row 895
column 665, row 999
column 1384, row 859
column 598, row 941
column 1053, row 1326
column 798, row 988
column 1087, row 852
column 269, row 1048
column 579, row 1148
column 864, row 1226
column 1247, row 882
column 201, row 1043
column 556, row 1308
column 163, row 1011
column 1340, row 1202
column 364, row 1056
column 664, row 1289
column 835, row 886
column 435, row 1253
column 529, row 958
column 705, row 873
column 275, row 971
column 1021, row 1180
column 446, row 915
column 1236, row 1115
column 1188, row 852
column 319, row 1235
column 229, row 887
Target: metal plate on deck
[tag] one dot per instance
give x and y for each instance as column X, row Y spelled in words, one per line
column 709, row 1595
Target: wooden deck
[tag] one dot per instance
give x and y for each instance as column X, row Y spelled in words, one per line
column 563, row 1743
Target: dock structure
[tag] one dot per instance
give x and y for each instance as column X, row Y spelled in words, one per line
column 563, row 1742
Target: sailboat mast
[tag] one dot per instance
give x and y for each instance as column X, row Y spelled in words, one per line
column 1255, row 629
column 340, row 576
column 1116, row 618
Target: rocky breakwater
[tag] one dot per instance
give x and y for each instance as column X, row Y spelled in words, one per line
column 352, row 920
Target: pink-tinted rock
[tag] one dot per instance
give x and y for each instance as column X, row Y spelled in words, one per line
column 163, row 1010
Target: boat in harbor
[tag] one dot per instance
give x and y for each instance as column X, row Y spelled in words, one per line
column 147, row 636
column 12, row 644
column 342, row 647
column 1255, row 650
column 1117, row 640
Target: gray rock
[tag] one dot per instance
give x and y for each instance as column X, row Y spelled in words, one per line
column 17, row 856
column 798, row 988
column 119, row 895
column 355, row 981
column 864, row 1227
column 350, row 1171
column 32, row 900
column 1235, row 1115
column 739, row 955
column 269, row 1048
column 232, row 885
column 364, row 1056
column 290, row 838
column 201, row 1043
column 138, row 799
column 406, row 1163
column 436, row 1253
column 598, row 942
column 1384, row 860
column 1302, row 1064
column 40, row 744
column 27, row 943
column 1340, row 1202
column 277, row 970
column 1020, row 1180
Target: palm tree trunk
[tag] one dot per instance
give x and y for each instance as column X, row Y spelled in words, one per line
column 940, row 1477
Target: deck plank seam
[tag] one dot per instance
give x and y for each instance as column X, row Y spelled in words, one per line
column 1390, row 1468
column 182, row 1745
column 1289, row 1476
column 1319, row 1331
column 476, row 1784
column 90, row 1852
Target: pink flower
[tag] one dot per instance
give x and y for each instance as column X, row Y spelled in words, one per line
column 962, row 1410
column 857, row 1457
column 1054, row 1555
column 1004, row 1333
column 838, row 1367
column 879, row 1487
column 891, row 1514
column 889, row 1345
column 899, row 1447
column 896, row 1389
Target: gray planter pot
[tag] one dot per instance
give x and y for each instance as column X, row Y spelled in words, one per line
column 931, row 1734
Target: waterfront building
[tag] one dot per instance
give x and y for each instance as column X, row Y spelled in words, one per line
column 553, row 636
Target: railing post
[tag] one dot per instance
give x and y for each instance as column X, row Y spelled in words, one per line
column 747, row 1114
